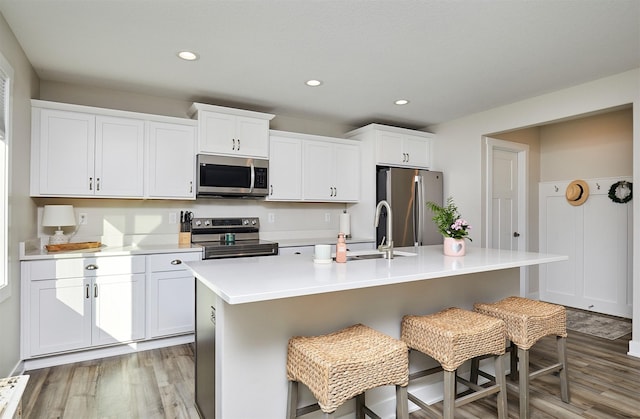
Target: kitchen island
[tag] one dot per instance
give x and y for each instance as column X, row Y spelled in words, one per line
column 250, row 307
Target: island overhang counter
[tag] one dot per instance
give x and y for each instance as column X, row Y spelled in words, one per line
column 248, row 308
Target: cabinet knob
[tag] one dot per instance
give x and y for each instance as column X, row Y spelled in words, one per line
column 176, row 262
column 516, row 234
column 91, row 267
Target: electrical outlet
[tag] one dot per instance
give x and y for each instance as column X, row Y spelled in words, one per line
column 82, row 218
column 173, row 218
column 271, row 217
column 327, row 217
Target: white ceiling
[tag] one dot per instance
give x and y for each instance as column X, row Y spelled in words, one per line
column 449, row 58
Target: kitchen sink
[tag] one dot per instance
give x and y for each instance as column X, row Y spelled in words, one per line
column 375, row 254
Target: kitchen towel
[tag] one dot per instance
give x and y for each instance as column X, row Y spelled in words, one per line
column 345, row 224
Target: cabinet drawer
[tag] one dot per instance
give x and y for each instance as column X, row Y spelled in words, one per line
column 84, row 267
column 171, row 261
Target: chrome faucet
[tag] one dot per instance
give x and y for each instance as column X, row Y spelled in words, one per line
column 388, row 248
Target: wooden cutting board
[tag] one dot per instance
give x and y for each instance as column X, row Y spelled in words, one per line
column 72, row 246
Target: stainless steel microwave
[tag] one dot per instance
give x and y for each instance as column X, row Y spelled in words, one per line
column 231, row 176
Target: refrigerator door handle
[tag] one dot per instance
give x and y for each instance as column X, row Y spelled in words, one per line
column 418, row 210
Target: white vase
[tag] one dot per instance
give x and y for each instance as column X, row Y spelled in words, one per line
column 454, row 247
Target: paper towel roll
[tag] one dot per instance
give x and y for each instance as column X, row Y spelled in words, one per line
column 345, row 224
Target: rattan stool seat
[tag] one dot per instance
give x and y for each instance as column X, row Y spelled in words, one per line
column 527, row 320
column 341, row 365
column 451, row 337
column 454, row 336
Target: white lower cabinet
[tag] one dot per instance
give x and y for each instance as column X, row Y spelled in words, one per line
column 309, row 250
column 296, row 250
column 71, row 304
column 59, row 316
column 170, row 294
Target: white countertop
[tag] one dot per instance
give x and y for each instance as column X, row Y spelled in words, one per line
column 34, row 253
column 248, row 280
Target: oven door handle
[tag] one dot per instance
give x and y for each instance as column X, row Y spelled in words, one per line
column 253, row 177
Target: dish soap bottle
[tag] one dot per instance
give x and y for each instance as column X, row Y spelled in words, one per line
column 341, row 249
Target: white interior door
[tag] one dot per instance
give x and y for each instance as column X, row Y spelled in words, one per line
column 504, row 199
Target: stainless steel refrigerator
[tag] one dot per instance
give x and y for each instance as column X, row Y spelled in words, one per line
column 407, row 191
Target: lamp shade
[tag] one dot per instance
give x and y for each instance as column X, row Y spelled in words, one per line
column 58, row 215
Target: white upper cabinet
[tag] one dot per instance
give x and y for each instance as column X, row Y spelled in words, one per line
column 81, row 151
column 397, row 146
column 305, row 167
column 81, row 154
column 285, row 169
column 331, row 171
column 119, row 157
column 231, row 132
column 171, row 161
column 62, row 153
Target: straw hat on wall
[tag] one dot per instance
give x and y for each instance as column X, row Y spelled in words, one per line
column 577, row 192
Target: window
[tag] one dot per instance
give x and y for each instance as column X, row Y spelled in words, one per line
column 6, row 78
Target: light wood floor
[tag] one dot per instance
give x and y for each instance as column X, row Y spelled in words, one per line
column 605, row 383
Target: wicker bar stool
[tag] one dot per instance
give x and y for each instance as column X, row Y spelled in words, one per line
column 343, row 365
column 452, row 337
column 528, row 321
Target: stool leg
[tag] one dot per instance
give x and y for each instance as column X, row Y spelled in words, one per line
column 475, row 365
column 523, row 382
column 564, row 373
column 449, row 400
column 513, row 366
column 292, row 399
column 501, row 380
column 360, row 406
column 402, row 403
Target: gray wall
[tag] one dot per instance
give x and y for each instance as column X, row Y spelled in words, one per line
column 21, row 211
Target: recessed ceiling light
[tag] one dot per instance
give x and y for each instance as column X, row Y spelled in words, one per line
column 401, row 102
column 313, row 83
column 188, row 55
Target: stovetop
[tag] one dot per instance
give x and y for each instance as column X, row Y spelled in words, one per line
column 230, row 237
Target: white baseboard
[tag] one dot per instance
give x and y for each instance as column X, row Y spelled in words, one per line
column 17, row 370
column 68, row 358
column 634, row 348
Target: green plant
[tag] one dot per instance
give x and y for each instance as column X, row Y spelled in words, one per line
column 449, row 221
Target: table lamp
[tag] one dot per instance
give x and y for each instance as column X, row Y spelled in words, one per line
column 58, row 216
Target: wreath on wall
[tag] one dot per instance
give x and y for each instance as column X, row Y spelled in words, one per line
column 621, row 192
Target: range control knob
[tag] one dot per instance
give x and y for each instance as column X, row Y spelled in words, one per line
column 253, row 222
column 198, row 223
column 245, row 222
column 207, row 222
